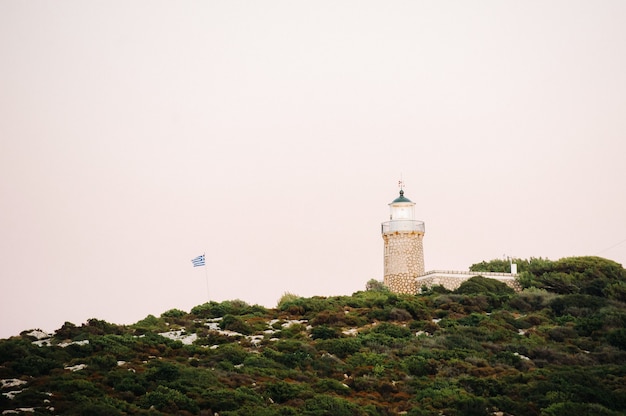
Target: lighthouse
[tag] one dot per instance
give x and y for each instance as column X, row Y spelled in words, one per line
column 404, row 250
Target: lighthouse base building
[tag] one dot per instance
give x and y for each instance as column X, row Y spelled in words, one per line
column 404, row 270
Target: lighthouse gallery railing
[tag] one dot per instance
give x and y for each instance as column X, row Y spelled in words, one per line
column 402, row 225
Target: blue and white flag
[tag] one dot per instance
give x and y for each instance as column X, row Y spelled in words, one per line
column 198, row 261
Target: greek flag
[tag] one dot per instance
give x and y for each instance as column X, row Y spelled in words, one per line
column 198, row 261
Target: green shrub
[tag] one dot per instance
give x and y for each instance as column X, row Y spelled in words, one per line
column 329, row 385
column 616, row 291
column 416, row 307
column 366, row 359
column 94, row 408
column 149, row 324
column 173, row 313
column 223, row 400
column 294, row 331
column 233, row 353
column 573, row 408
column 474, row 319
column 67, row 331
column 35, row 365
column 102, row 362
column 72, row 386
column 341, row 347
column 576, row 304
column 287, row 297
column 562, row 333
column 400, row 314
column 420, row 366
column 120, row 346
column 617, row 338
column 480, row 284
column 531, row 299
column 100, row 327
column 391, row 330
column 329, row 318
column 324, row 332
column 168, row 400
column 282, row 391
column 323, row 404
column 236, row 324
column 377, row 314
column 162, row 371
column 127, row 381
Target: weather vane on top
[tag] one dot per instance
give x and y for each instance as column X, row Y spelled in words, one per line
column 401, row 183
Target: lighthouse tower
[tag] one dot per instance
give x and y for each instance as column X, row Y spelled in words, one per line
column 404, row 251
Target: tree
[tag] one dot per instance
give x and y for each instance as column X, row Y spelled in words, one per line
column 375, row 286
column 587, row 274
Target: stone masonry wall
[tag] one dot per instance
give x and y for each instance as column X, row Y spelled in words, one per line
column 404, row 260
column 452, row 280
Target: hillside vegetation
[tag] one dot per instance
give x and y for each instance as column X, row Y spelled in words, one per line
column 556, row 348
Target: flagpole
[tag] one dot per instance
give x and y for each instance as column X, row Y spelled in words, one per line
column 206, row 274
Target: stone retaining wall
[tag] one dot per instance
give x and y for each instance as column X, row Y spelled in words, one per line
column 452, row 280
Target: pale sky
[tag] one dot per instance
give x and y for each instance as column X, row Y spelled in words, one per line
column 271, row 135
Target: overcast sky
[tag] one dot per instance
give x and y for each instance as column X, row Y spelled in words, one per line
column 271, row 136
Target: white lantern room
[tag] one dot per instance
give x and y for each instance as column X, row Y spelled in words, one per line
column 402, row 216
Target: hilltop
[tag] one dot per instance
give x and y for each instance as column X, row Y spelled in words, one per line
column 558, row 347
